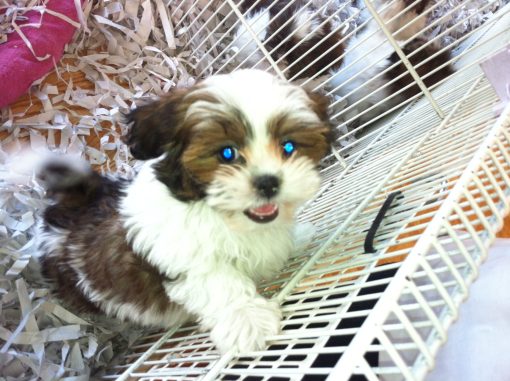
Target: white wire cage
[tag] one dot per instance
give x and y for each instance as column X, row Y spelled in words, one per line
column 348, row 314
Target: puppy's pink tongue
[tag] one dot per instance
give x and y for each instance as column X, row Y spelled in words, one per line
column 265, row 210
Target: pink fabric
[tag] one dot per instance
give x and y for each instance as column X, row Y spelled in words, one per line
column 18, row 67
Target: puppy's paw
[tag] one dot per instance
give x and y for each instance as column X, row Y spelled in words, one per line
column 245, row 328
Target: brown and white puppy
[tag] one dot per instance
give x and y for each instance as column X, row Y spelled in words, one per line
column 208, row 216
column 372, row 77
column 299, row 39
column 363, row 69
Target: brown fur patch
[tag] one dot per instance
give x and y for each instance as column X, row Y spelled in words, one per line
column 190, row 138
column 201, row 157
column 154, row 126
column 191, row 161
column 416, row 59
column 64, row 279
column 116, row 271
column 311, row 139
column 106, row 260
column 319, row 104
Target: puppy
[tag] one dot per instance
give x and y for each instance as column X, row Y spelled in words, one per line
column 363, row 68
column 372, row 77
column 208, row 216
column 299, row 39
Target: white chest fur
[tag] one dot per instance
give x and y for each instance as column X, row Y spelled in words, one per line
column 183, row 237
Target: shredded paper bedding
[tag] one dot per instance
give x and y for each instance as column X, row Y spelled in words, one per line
column 128, row 49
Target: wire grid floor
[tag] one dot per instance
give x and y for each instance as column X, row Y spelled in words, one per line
column 355, row 316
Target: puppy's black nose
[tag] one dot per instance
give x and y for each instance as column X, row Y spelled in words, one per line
column 267, row 185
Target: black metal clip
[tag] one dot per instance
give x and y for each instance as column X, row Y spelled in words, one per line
column 369, row 240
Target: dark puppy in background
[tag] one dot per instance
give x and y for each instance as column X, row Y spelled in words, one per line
column 303, row 42
column 372, row 77
column 363, row 68
column 208, row 216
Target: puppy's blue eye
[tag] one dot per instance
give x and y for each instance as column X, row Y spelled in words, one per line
column 288, row 148
column 228, row 154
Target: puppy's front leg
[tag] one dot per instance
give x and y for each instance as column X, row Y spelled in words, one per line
column 227, row 303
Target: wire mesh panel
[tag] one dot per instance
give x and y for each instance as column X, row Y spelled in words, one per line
column 350, row 314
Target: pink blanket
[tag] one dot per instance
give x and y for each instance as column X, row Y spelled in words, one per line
column 18, row 66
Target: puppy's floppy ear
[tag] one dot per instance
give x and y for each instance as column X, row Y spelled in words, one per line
column 154, row 126
column 319, row 103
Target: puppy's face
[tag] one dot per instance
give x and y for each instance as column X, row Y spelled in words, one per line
column 246, row 143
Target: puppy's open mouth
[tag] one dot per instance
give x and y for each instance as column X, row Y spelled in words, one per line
column 262, row 214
